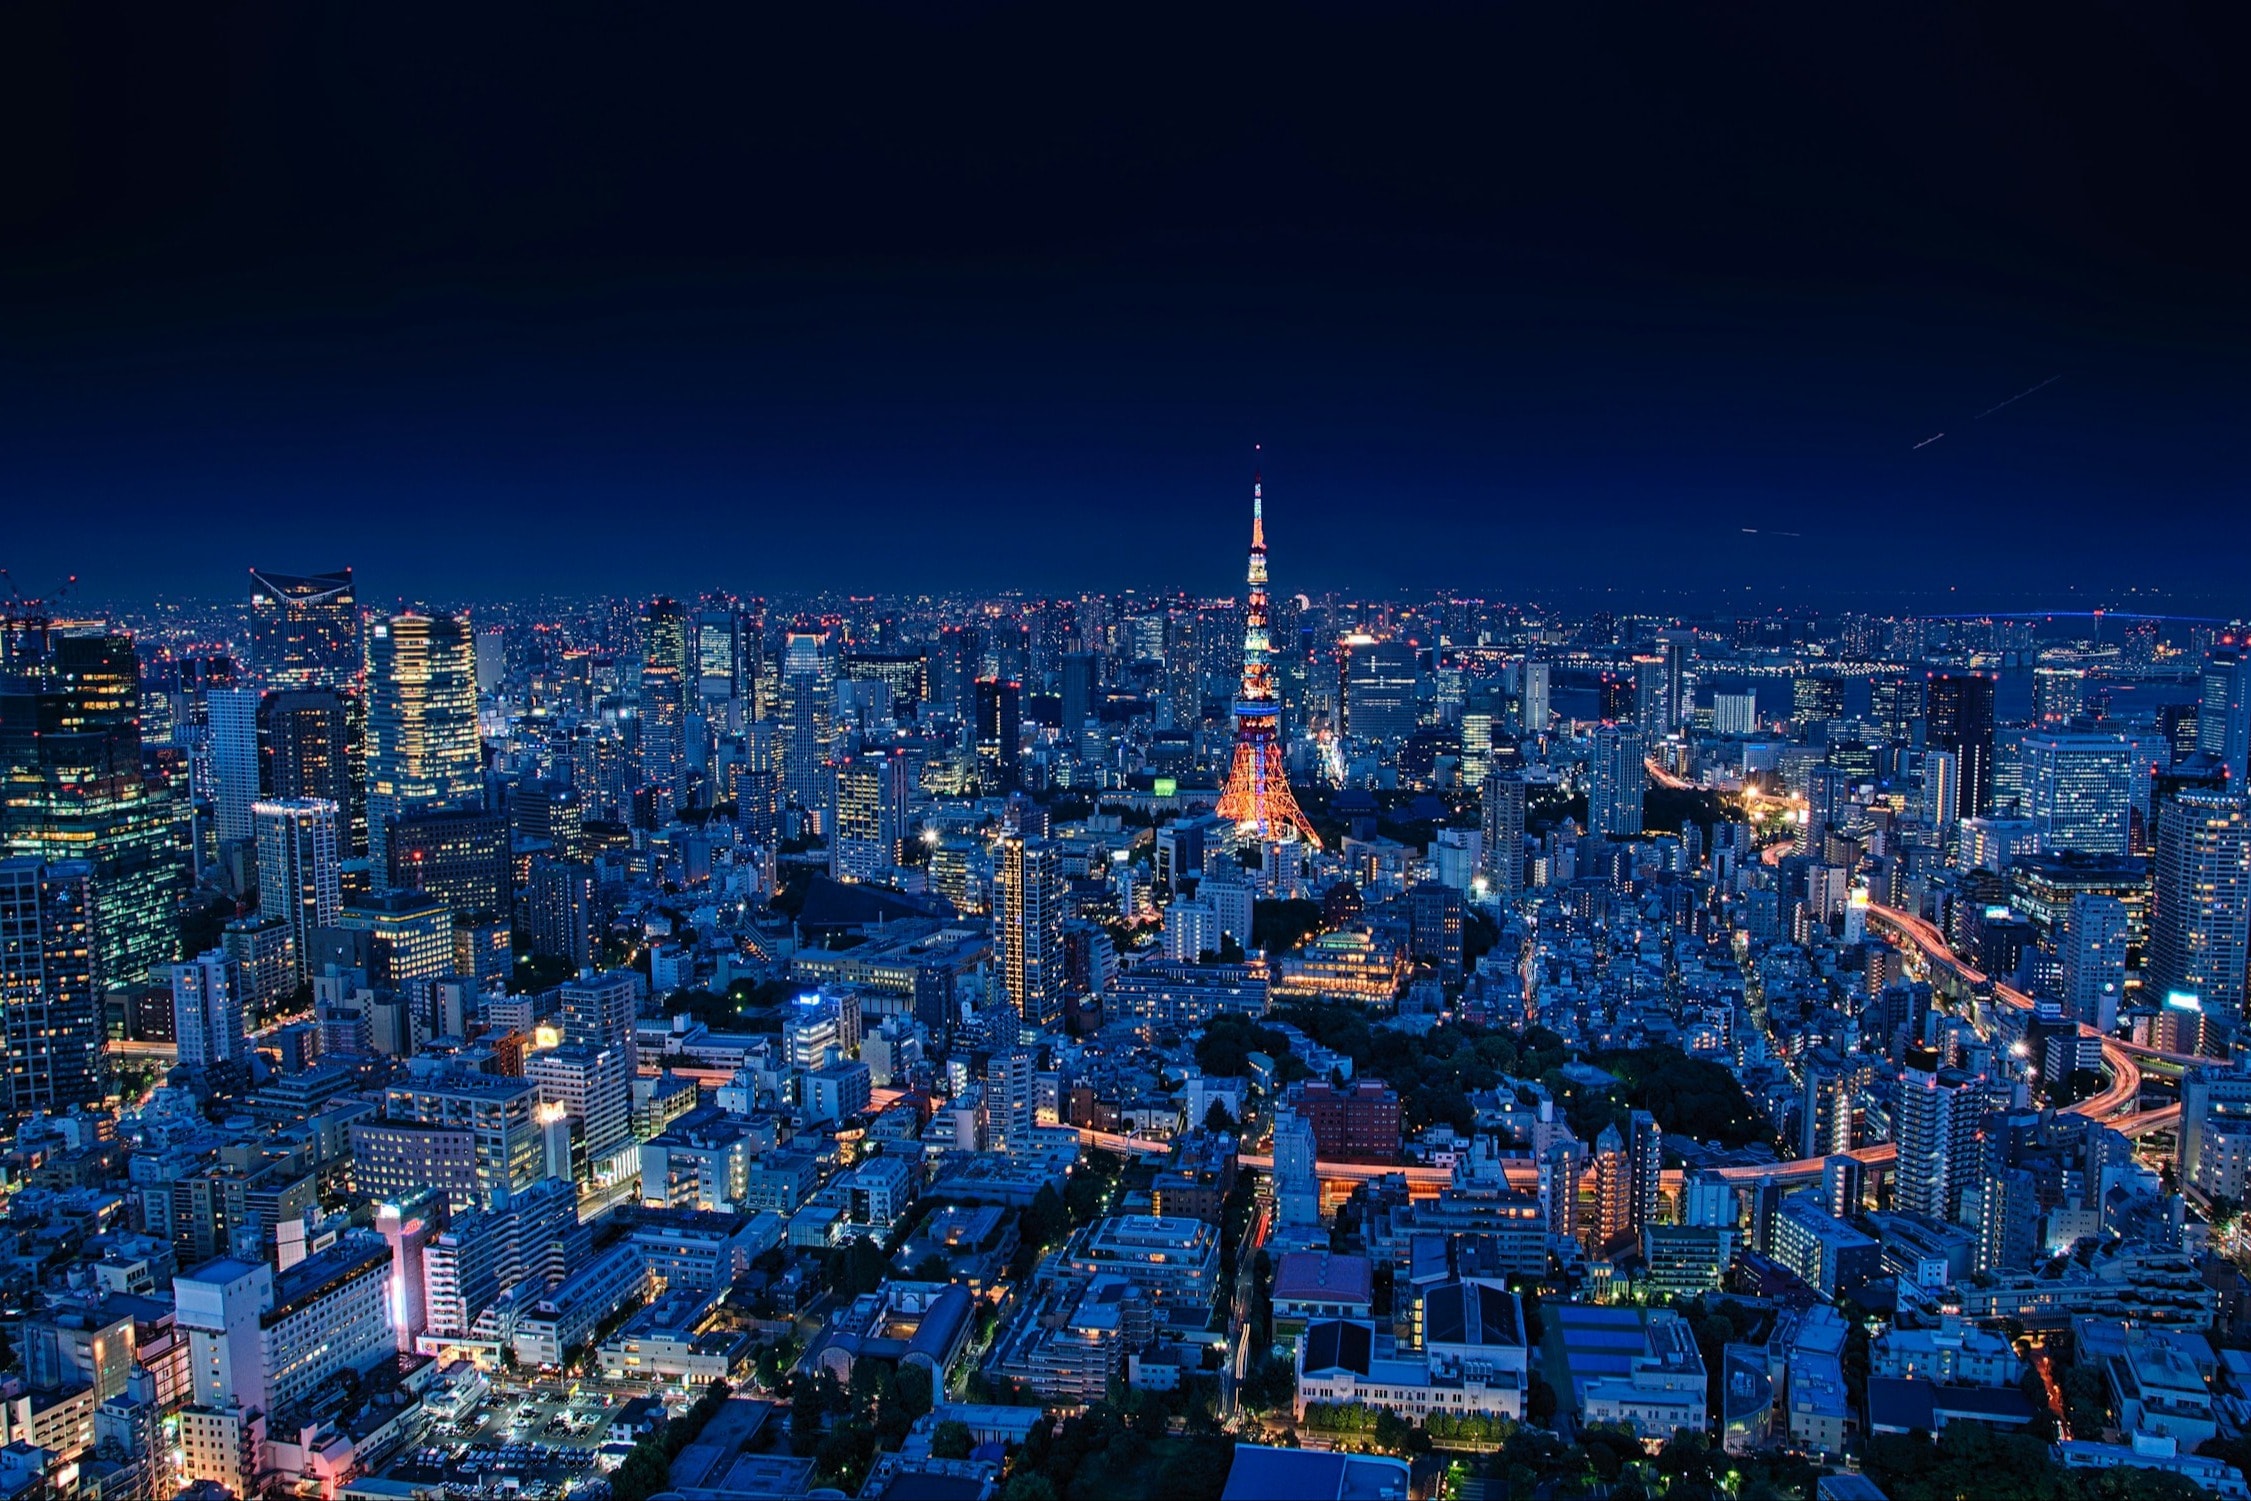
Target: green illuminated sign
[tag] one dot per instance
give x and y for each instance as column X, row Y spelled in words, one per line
column 1165, row 786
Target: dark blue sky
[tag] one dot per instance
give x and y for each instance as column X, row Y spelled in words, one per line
column 901, row 299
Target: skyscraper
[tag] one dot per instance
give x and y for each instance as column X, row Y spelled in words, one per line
column 2058, row 695
column 2091, row 945
column 299, row 871
column 1959, row 718
column 1028, row 920
column 2080, row 789
column 999, row 729
column 664, row 696
column 1936, row 1133
column 1502, row 826
column 598, row 1012
column 1644, row 1165
column 808, row 715
column 72, row 787
column 2200, row 901
column 207, row 1025
column 2223, row 720
column 1616, row 781
column 1257, row 799
column 872, row 788
column 1297, row 1183
column 424, row 754
column 304, row 629
column 1379, row 690
column 50, row 1005
column 231, row 727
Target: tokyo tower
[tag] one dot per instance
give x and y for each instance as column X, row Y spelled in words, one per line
column 1258, row 799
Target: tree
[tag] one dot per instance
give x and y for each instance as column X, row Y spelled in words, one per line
column 916, row 1391
column 1218, row 1121
column 1029, row 1485
column 952, row 1440
column 932, row 1268
column 858, row 1268
column 1045, row 1220
column 1539, row 1403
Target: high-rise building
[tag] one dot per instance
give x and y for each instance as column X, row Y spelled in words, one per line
column 2223, row 720
column 808, row 714
column 1028, row 898
column 1613, row 1191
column 207, row 1024
column 999, row 729
column 304, row 629
column 237, row 774
column 1536, row 712
column 1502, row 827
column 2200, row 899
column 1257, row 799
column 1081, row 673
column 2080, row 789
column 1379, row 690
column 1895, row 701
column 50, row 1005
column 1936, row 1133
column 1735, row 713
column 872, row 789
column 1617, row 780
column 1958, row 717
column 72, row 787
column 1644, row 1165
column 492, row 660
column 1297, row 1182
column 409, row 935
column 299, row 872
column 599, row 1010
column 2091, row 947
column 461, row 858
column 664, row 696
column 563, row 917
column 305, row 748
column 592, row 1088
column 424, row 755
column 2059, row 695
column 1011, row 1097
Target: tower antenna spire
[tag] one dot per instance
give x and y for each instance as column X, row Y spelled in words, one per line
column 1257, row 798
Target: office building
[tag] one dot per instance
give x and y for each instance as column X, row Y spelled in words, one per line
column 2079, row 788
column 998, row 731
column 564, row 916
column 2223, row 720
column 50, row 1002
column 872, row 791
column 468, row 1135
column 72, row 788
column 309, row 745
column 423, row 751
column 592, row 1088
column 2091, row 947
column 664, row 697
column 1958, row 719
column 460, row 858
column 2059, row 695
column 807, row 710
column 2200, row 900
column 304, row 629
column 1821, row 1248
column 1028, row 925
column 1357, row 1123
column 1735, row 714
column 599, row 1010
column 1617, row 780
column 409, row 936
column 207, row 1025
column 1379, row 690
column 1297, row 1183
column 237, row 777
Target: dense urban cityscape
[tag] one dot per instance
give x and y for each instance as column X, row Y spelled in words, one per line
column 1002, row 752
column 1120, row 1045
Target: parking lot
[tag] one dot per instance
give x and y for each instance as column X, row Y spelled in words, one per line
column 545, row 1440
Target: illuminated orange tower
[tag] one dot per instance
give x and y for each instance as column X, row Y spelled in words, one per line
column 1258, row 799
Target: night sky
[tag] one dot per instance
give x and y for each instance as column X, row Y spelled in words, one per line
column 1520, row 299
